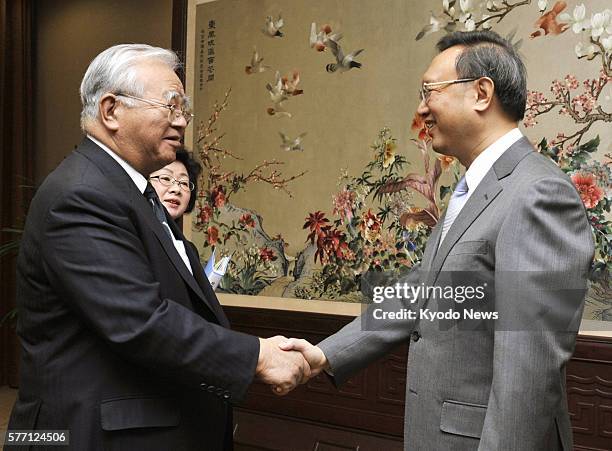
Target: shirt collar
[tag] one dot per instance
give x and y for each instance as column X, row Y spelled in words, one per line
column 487, row 158
column 139, row 180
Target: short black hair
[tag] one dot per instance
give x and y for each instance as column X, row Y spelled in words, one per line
column 487, row 54
column 193, row 171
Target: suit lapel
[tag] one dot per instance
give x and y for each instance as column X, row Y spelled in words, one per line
column 122, row 180
column 198, row 279
column 486, row 191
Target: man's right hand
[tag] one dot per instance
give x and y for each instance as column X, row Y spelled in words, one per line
column 313, row 354
column 283, row 370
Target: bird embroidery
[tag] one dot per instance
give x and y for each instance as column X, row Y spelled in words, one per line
column 290, row 145
column 273, row 27
column 277, row 93
column 256, row 64
column 343, row 63
column 290, row 86
column 319, row 40
column 548, row 22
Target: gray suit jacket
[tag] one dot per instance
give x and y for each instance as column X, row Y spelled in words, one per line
column 490, row 385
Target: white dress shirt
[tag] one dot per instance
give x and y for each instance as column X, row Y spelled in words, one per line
column 141, row 183
column 487, row 158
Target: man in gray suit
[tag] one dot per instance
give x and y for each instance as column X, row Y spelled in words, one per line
column 516, row 229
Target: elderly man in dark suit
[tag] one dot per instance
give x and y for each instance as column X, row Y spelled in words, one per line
column 124, row 343
column 516, row 228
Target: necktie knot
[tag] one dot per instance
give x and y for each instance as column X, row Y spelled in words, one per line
column 461, row 187
column 150, row 192
column 151, row 195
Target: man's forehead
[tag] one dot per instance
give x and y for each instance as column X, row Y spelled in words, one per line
column 443, row 65
column 158, row 77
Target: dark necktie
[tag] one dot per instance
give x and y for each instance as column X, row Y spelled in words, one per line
column 158, row 209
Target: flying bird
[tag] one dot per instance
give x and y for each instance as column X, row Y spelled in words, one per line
column 548, row 22
column 319, row 40
column 278, row 112
column 343, row 63
column 273, row 27
column 290, row 145
column 290, row 86
column 257, row 65
column 277, row 94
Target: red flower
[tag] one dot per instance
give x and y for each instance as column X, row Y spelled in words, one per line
column 590, row 193
column 418, row 123
column 206, row 213
column 267, row 254
column 217, row 197
column 315, row 221
column 247, row 220
column 212, row 235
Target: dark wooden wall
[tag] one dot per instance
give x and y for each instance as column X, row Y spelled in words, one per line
column 367, row 412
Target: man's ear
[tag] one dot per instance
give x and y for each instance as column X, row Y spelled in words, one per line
column 108, row 111
column 485, row 90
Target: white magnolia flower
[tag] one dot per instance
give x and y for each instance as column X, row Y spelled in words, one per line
column 542, row 5
column 466, row 10
column 494, row 4
column 585, row 50
column 607, row 43
column 599, row 22
column 577, row 19
column 470, row 25
column 450, row 10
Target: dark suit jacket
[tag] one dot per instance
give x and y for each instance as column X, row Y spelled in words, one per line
column 120, row 343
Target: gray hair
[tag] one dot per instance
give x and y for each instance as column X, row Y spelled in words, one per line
column 114, row 70
column 487, row 54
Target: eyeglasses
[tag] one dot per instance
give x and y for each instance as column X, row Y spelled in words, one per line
column 174, row 112
column 166, row 180
column 425, row 91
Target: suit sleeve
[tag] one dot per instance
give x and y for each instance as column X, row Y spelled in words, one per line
column 543, row 252
column 366, row 339
column 95, row 259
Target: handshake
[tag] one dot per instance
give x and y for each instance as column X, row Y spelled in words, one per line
column 284, row 363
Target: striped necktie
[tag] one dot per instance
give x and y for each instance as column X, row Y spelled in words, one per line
column 158, row 209
column 456, row 203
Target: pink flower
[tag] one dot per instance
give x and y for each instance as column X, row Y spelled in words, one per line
column 571, row 81
column 343, row 204
column 587, row 187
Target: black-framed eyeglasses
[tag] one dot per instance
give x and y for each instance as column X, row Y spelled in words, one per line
column 167, row 180
column 174, row 112
column 425, row 91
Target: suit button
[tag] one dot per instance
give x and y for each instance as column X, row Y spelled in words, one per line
column 210, row 388
column 415, row 336
column 220, row 391
column 203, row 386
column 227, row 395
